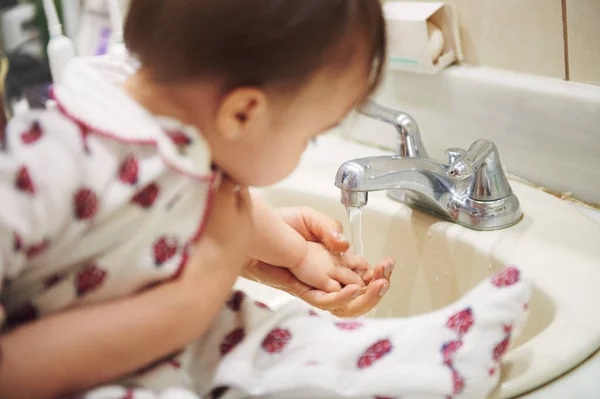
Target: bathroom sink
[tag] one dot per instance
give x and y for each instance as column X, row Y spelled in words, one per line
column 556, row 246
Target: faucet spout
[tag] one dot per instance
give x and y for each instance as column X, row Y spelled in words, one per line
column 422, row 180
column 393, row 172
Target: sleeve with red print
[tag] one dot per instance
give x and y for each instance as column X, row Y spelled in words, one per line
column 40, row 174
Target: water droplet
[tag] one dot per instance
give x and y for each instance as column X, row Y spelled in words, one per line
column 446, row 273
column 437, row 279
column 490, row 266
column 429, row 234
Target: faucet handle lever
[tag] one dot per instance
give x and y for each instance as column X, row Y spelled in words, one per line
column 469, row 162
column 481, row 163
column 454, row 154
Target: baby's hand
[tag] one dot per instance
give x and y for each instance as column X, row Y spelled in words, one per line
column 358, row 305
column 330, row 272
column 351, row 301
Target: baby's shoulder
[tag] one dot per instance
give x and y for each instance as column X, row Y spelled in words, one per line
column 53, row 140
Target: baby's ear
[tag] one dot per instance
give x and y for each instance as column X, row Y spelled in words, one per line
column 240, row 111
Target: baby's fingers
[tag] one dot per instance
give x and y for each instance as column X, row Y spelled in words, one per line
column 331, row 285
column 358, row 264
column 326, row 230
column 346, row 276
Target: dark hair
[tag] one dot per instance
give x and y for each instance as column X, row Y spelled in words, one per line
column 253, row 42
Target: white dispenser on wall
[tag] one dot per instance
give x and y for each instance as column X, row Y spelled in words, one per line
column 423, row 37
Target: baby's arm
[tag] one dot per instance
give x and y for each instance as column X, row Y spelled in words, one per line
column 309, row 249
column 82, row 348
column 274, row 241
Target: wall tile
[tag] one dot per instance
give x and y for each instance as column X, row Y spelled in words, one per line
column 519, row 35
column 583, row 22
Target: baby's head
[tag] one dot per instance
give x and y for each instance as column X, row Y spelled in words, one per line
column 260, row 78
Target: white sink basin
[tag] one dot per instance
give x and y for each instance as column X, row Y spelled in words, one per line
column 555, row 245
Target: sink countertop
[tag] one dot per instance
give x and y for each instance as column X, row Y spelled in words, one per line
column 593, row 213
column 580, row 383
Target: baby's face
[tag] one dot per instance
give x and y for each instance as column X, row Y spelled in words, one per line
column 275, row 136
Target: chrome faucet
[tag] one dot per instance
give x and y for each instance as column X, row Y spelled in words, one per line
column 471, row 190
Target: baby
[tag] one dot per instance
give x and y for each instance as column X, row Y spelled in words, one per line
column 126, row 220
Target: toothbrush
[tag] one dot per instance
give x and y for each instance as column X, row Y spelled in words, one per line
column 60, row 48
column 117, row 45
